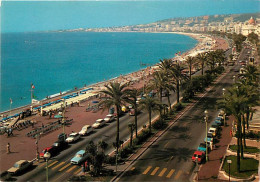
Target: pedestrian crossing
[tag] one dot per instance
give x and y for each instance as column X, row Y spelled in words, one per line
column 62, row 167
column 163, row 172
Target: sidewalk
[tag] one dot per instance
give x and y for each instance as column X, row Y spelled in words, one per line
column 209, row 170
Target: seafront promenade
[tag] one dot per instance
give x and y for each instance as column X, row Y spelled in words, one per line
column 24, row 147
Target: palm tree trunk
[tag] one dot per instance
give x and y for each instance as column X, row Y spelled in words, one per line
column 131, row 137
column 178, row 91
column 136, row 121
column 238, row 143
column 247, row 118
column 150, row 120
column 240, row 138
column 190, row 72
column 117, row 134
column 244, row 131
column 202, row 69
column 169, row 101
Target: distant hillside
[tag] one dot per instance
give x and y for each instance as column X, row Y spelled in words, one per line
column 216, row 18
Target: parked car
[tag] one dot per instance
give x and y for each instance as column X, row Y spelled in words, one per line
column 209, row 138
column 86, row 130
column 202, row 147
column 60, row 145
column 213, row 131
column 20, row 166
column 73, row 137
column 131, row 112
column 79, row 157
column 217, row 122
column 198, row 156
column 52, row 150
column 98, row 123
column 62, row 136
column 109, row 118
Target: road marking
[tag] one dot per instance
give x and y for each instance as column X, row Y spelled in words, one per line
column 77, row 172
column 178, row 175
column 147, row 170
column 154, row 171
column 73, row 167
column 133, row 168
column 64, row 167
column 52, row 163
column 170, row 173
column 58, row 165
column 166, row 145
column 162, row 172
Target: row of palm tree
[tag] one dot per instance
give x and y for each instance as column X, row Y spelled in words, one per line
column 239, row 101
column 167, row 78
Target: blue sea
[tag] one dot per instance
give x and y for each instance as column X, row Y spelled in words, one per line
column 56, row 62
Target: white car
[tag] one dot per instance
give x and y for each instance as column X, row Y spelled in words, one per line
column 109, row 118
column 98, row 123
column 86, row 130
column 213, row 131
column 73, row 137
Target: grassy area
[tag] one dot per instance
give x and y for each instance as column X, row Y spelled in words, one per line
column 248, row 149
column 248, row 166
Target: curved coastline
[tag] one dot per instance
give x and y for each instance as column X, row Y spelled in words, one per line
column 102, row 83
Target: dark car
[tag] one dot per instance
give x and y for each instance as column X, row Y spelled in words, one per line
column 62, row 136
column 60, row 145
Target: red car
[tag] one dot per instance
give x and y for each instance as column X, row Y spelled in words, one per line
column 52, row 150
column 198, row 156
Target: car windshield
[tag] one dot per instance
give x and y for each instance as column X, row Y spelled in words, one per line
column 16, row 165
column 79, row 155
column 203, row 145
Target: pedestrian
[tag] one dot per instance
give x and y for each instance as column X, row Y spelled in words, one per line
column 83, row 169
column 8, row 148
column 86, row 166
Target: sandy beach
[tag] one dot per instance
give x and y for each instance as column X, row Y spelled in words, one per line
column 23, row 147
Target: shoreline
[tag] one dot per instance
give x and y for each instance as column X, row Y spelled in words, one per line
column 102, row 83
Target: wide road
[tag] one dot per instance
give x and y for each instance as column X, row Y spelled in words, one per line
column 169, row 158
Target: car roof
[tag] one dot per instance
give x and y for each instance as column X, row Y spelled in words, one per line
column 81, row 152
column 73, row 133
column 198, row 152
column 20, row 161
column 99, row 119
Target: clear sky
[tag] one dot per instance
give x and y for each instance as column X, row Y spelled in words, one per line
column 23, row 16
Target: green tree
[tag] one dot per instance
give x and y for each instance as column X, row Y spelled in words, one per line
column 150, row 104
column 253, row 38
column 177, row 76
column 202, row 59
column 115, row 95
column 190, row 62
column 132, row 95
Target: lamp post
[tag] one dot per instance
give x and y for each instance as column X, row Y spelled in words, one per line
column 197, row 168
column 206, row 121
column 223, row 89
column 234, row 79
column 63, row 116
column 37, row 148
column 229, row 163
column 47, row 156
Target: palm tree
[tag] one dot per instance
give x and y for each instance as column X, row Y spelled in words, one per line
column 132, row 99
column 115, row 95
column 158, row 83
column 211, row 60
column 220, row 56
column 131, row 127
column 234, row 103
column 150, row 104
column 103, row 145
column 177, row 76
column 190, row 62
column 202, row 58
column 166, row 65
column 252, row 75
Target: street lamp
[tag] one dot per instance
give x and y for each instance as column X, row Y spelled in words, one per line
column 206, row 121
column 37, row 148
column 229, row 163
column 223, row 89
column 63, row 116
column 47, row 156
column 234, row 79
